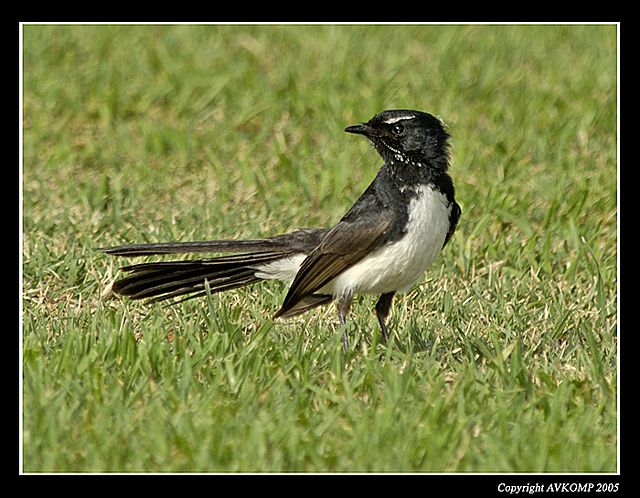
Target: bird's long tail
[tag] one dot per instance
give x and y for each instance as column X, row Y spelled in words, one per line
column 164, row 280
column 160, row 281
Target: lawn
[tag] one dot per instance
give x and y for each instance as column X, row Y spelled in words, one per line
column 503, row 359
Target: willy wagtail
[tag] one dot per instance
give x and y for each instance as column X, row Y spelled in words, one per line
column 383, row 245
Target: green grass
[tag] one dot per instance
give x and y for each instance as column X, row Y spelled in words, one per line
column 504, row 359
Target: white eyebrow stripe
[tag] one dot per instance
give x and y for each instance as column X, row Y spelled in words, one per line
column 400, row 118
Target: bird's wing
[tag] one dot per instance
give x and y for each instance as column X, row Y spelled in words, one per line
column 454, row 217
column 348, row 242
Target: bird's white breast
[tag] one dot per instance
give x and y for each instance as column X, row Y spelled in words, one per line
column 396, row 266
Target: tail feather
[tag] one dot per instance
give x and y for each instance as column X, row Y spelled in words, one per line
column 163, row 280
column 161, row 284
column 303, row 241
column 210, row 246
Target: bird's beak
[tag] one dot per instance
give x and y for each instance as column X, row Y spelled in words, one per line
column 362, row 129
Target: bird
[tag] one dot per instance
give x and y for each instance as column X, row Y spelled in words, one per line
column 382, row 246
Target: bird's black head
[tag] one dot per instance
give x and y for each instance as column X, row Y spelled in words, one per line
column 406, row 136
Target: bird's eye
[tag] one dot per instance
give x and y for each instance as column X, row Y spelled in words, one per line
column 397, row 129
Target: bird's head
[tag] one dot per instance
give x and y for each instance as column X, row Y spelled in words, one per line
column 407, row 136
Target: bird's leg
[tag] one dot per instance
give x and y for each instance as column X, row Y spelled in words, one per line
column 383, row 307
column 343, row 306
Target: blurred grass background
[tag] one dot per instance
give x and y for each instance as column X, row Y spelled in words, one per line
column 504, row 358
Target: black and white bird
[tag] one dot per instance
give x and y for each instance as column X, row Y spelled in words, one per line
column 382, row 245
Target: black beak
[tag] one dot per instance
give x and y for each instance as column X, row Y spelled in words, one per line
column 363, row 129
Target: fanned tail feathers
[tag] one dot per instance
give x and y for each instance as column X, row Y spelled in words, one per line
column 164, row 280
